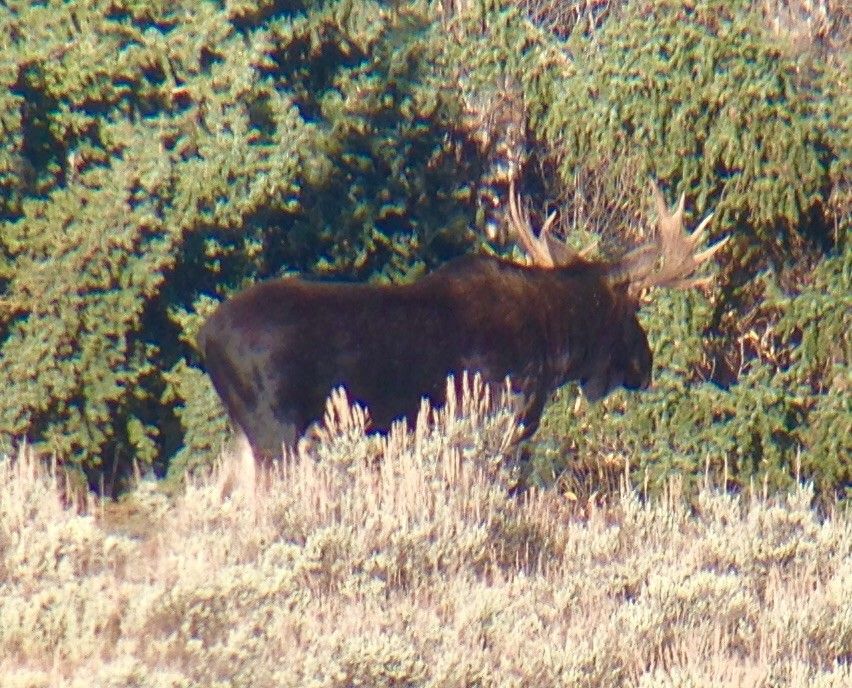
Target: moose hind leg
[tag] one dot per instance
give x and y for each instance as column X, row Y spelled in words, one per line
column 269, row 436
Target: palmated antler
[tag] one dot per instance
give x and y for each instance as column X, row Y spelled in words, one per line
column 671, row 259
column 544, row 250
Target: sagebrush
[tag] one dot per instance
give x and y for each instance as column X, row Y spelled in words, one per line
column 402, row 562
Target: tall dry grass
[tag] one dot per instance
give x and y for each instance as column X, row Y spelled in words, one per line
column 403, row 562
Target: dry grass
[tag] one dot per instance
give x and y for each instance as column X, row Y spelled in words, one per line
column 402, row 562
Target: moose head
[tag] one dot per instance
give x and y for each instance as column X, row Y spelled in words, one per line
column 276, row 350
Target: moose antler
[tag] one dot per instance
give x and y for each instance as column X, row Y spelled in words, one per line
column 670, row 260
column 538, row 248
column 544, row 250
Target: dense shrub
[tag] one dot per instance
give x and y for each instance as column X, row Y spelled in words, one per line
column 788, row 415
column 694, row 94
column 157, row 157
column 702, row 96
column 160, row 155
column 405, row 563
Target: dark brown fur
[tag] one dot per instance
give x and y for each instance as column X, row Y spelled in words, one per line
column 276, row 350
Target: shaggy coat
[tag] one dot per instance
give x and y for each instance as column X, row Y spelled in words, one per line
column 275, row 351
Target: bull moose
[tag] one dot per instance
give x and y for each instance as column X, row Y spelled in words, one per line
column 276, row 350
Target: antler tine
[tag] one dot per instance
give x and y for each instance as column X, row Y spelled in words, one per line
column 708, row 253
column 537, row 248
column 547, row 226
column 545, row 250
column 672, row 260
column 670, row 222
column 698, row 233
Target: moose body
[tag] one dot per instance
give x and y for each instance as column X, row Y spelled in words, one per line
column 275, row 351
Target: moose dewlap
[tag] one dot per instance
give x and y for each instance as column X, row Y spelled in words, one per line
column 276, row 350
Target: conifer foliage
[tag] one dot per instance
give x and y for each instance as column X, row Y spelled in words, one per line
column 157, row 156
column 703, row 96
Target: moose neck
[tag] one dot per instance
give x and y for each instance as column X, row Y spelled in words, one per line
column 581, row 320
